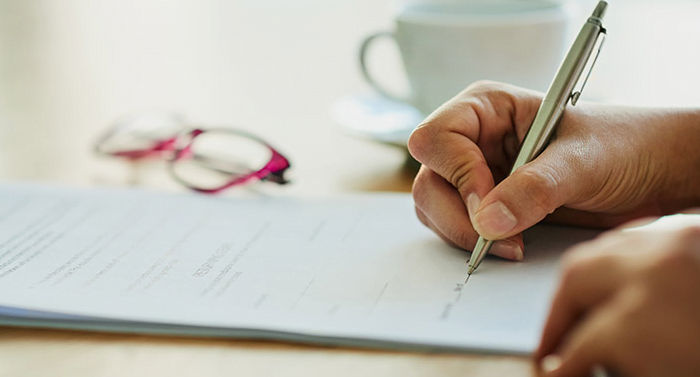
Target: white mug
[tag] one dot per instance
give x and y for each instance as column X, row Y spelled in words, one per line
column 445, row 46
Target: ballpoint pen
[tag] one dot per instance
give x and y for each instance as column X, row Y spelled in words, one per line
column 560, row 92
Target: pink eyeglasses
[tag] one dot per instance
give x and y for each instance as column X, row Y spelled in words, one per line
column 205, row 160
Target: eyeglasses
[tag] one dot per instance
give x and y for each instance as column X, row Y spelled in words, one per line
column 206, row 160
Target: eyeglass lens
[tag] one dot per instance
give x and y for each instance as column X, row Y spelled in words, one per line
column 141, row 133
column 216, row 157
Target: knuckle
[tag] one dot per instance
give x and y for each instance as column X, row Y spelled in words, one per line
column 420, row 188
column 632, row 301
column 578, row 266
column 644, row 220
column 540, row 186
column 636, row 307
column 689, row 234
column 679, row 255
column 462, row 238
column 692, row 211
column 577, row 252
column 492, row 91
column 573, row 268
column 420, row 141
column 461, row 169
column 485, row 86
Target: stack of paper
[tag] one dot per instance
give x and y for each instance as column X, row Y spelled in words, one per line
column 353, row 270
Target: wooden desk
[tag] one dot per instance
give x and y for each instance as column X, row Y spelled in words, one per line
column 67, row 69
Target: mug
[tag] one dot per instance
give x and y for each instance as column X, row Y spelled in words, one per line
column 445, row 46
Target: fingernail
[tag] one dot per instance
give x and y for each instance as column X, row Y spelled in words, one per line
column 507, row 249
column 550, row 363
column 473, row 203
column 495, row 220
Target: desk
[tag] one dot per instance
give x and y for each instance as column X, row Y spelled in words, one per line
column 67, row 69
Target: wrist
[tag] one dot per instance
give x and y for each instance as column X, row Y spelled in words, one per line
column 678, row 148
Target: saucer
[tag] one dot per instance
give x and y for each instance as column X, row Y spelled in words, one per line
column 376, row 118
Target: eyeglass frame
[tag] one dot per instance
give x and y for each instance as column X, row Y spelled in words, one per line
column 272, row 171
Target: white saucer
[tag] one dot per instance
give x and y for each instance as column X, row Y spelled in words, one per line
column 377, row 118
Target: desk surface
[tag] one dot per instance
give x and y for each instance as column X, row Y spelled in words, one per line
column 274, row 68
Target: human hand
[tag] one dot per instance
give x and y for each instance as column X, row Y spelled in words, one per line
column 605, row 165
column 629, row 301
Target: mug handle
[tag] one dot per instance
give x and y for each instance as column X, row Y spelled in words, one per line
column 364, row 50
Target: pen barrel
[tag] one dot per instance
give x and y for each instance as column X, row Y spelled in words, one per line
column 559, row 93
column 539, row 133
column 572, row 66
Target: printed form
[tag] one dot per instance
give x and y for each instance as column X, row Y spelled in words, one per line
column 350, row 270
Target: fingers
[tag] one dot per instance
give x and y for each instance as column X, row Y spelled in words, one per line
column 443, row 207
column 426, row 221
column 472, row 134
column 588, row 346
column 583, row 309
column 613, row 293
column 587, row 279
column 440, row 207
column 454, row 156
column 467, row 142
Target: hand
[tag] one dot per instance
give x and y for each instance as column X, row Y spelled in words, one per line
column 605, row 165
column 629, row 301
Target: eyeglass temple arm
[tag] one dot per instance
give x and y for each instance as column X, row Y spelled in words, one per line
column 276, row 167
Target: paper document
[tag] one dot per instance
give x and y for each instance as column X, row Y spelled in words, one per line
column 351, row 270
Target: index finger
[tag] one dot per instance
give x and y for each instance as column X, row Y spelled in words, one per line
column 474, row 135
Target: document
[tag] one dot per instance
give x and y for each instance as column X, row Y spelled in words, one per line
column 356, row 269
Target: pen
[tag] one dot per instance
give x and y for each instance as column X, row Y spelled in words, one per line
column 560, row 92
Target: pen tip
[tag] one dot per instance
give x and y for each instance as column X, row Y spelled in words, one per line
column 469, row 274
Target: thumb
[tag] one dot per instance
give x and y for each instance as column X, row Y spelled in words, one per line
column 525, row 197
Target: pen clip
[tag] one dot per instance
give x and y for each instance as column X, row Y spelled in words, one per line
column 599, row 41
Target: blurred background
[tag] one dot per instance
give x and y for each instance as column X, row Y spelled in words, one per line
column 69, row 68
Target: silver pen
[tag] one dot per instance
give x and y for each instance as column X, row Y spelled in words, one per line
column 560, row 92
